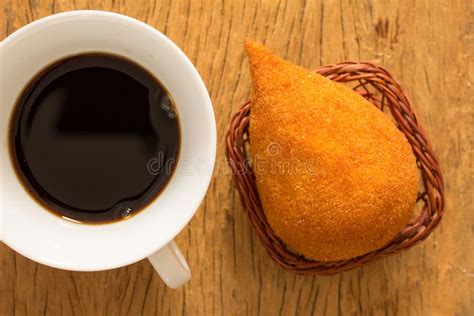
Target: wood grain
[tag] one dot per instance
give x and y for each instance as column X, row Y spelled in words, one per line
column 429, row 47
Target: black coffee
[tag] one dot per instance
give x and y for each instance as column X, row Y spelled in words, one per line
column 94, row 137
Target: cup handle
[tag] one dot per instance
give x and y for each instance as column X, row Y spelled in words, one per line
column 170, row 264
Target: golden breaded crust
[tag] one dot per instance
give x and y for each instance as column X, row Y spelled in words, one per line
column 336, row 178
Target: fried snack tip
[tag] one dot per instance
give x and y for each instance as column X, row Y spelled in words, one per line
column 336, row 178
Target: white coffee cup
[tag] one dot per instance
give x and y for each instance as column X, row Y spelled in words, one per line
column 43, row 237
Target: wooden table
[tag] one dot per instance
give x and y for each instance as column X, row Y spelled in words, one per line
column 429, row 47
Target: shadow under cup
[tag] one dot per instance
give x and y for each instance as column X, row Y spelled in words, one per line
column 48, row 239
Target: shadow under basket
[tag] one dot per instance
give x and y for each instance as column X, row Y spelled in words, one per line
column 379, row 87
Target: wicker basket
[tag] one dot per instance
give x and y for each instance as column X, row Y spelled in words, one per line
column 381, row 89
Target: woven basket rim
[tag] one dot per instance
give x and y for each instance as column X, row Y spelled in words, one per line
column 379, row 87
